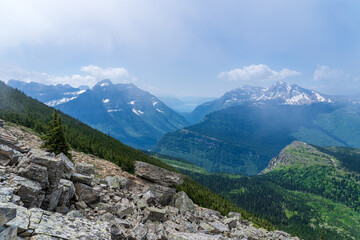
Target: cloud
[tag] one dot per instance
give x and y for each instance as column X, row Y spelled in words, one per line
column 326, row 73
column 92, row 74
column 257, row 73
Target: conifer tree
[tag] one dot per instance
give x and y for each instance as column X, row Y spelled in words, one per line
column 55, row 139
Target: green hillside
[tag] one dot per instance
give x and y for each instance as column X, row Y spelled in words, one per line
column 312, row 191
column 243, row 139
column 18, row 108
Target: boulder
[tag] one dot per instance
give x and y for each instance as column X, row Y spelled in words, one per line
column 112, row 182
column 54, row 165
column 51, row 199
column 68, row 166
column 184, row 203
column 8, row 155
column 85, row 169
column 86, row 193
column 6, row 214
column 234, row 215
column 139, row 232
column 9, row 233
column 219, row 227
column 35, row 172
column 150, row 198
column 163, row 194
column 29, row 191
column 155, row 214
column 9, row 140
column 79, row 178
column 158, row 175
column 67, row 192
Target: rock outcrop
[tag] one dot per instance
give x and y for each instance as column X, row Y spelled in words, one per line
column 43, row 196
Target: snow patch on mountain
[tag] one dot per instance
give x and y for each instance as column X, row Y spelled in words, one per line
column 131, row 103
column 106, row 100
column 159, row 110
column 59, row 101
column 137, row 112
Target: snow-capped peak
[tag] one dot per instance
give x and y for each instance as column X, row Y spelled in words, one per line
column 280, row 92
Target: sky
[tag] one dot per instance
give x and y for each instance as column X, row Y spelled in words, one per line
column 183, row 47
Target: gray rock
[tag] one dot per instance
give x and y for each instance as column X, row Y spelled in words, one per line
column 155, row 214
column 80, row 205
column 139, row 232
column 86, row 193
column 234, row 215
column 51, row 199
column 85, row 169
column 6, row 138
column 22, row 219
column 174, row 235
column 116, row 233
column 30, row 192
column 35, row 172
column 112, row 182
column 54, row 165
column 9, row 233
column 163, row 194
column 74, row 214
column 79, row 178
column 231, row 222
column 67, row 192
column 68, row 166
column 157, row 174
column 150, row 198
column 8, row 155
column 219, row 227
column 124, row 182
column 184, row 203
column 6, row 214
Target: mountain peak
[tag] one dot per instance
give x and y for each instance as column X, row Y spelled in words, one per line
column 104, row 83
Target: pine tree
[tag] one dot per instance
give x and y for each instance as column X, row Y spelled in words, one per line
column 55, row 139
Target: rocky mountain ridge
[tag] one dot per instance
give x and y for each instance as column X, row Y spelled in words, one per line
column 291, row 155
column 43, row 196
column 280, row 92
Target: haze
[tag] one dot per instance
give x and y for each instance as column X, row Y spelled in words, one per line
column 183, row 48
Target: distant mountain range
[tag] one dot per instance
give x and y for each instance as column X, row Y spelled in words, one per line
column 279, row 93
column 51, row 95
column 248, row 126
column 124, row 111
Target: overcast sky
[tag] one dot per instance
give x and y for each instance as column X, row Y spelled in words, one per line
column 194, row 48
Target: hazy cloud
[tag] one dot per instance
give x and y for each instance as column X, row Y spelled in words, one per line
column 92, row 74
column 257, row 73
column 326, row 73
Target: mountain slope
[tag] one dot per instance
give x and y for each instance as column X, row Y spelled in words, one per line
column 51, row 95
column 279, row 93
column 124, row 111
column 243, row 139
column 307, row 190
column 18, row 108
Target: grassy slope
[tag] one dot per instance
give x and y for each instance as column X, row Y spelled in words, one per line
column 302, row 213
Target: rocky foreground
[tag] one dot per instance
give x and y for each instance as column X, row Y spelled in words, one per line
column 43, row 196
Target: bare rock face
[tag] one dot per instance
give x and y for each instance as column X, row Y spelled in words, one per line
column 184, row 203
column 8, row 155
column 35, row 172
column 68, row 166
column 54, row 165
column 85, row 169
column 30, row 192
column 158, row 175
column 86, row 193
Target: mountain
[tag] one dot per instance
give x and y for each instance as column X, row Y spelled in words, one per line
column 310, row 191
column 281, row 93
column 244, row 138
column 91, row 146
column 51, row 95
column 126, row 112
